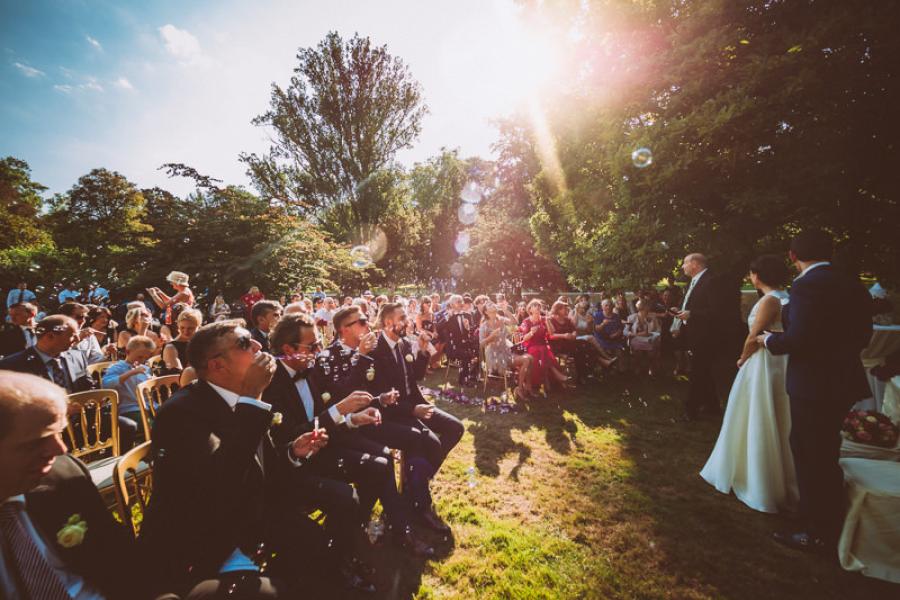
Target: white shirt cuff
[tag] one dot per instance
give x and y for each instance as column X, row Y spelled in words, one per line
column 294, row 461
column 336, row 415
column 257, row 403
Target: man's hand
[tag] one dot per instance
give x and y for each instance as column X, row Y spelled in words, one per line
column 258, row 375
column 369, row 416
column 354, row 402
column 761, row 339
column 367, row 343
column 423, row 411
column 684, row 315
column 309, row 443
column 389, row 398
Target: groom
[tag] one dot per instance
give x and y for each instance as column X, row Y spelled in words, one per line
column 829, row 325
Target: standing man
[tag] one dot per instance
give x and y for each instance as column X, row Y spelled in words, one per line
column 19, row 295
column 57, row 539
column 265, row 314
column 825, row 377
column 71, row 293
column 710, row 318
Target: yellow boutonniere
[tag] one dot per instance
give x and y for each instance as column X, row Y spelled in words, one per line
column 370, row 374
column 326, row 397
column 72, row 533
column 409, row 358
column 277, row 418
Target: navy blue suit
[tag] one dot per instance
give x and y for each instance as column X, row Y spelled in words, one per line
column 828, row 327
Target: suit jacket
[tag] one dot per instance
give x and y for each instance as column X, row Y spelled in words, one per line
column 458, row 332
column 828, row 327
column 209, row 494
column 105, row 558
column 12, row 339
column 284, row 397
column 388, row 375
column 343, row 372
column 74, row 362
column 260, row 337
column 715, row 324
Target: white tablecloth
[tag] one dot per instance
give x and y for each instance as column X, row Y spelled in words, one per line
column 885, row 341
column 870, row 540
column 891, row 405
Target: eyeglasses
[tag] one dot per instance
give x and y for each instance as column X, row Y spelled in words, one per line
column 317, row 345
column 242, row 343
column 362, row 320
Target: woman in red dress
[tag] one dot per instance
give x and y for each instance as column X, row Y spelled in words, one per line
column 536, row 341
column 252, row 296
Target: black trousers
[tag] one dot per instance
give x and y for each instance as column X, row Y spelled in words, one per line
column 712, row 374
column 816, row 446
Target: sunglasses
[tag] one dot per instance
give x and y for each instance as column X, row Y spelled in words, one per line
column 363, row 320
column 242, row 343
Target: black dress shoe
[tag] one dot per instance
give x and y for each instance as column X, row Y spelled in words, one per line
column 432, row 521
column 800, row 541
column 415, row 546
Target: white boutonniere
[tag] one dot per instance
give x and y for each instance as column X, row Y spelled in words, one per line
column 326, row 397
column 72, row 533
column 370, row 374
column 277, row 418
column 409, row 358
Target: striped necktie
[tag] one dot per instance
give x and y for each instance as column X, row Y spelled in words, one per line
column 38, row 579
column 54, row 365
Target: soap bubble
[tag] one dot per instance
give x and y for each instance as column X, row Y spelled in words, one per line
column 642, row 157
column 462, row 242
column 360, row 257
column 467, row 213
column 456, row 269
column 471, row 193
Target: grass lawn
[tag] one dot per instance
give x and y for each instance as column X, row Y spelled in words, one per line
column 596, row 494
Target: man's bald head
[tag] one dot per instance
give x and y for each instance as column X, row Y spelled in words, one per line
column 693, row 264
column 32, row 418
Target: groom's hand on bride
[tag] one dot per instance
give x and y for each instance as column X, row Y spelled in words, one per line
column 761, row 339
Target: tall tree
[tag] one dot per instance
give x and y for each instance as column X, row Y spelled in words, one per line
column 337, row 127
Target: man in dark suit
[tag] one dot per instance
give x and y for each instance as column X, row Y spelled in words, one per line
column 212, row 509
column 298, row 391
column 458, row 333
column 398, row 367
column 265, row 315
column 18, row 334
column 57, row 539
column 825, row 377
column 710, row 319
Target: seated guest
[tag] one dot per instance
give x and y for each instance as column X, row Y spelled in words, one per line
column 87, row 342
column 124, row 377
column 623, row 307
column 563, row 339
column 175, row 352
column 459, row 337
column 99, row 321
column 544, row 367
column 299, row 393
column 137, row 322
column 215, row 493
column 168, row 332
column 295, row 308
column 643, row 334
column 219, row 309
column 498, row 356
column 51, row 356
column 399, row 367
column 18, row 334
column 57, row 538
column 521, row 313
column 264, row 316
column 609, row 329
column 584, row 327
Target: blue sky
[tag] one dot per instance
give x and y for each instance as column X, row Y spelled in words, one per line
column 129, row 85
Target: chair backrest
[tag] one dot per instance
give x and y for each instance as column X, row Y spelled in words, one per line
column 151, row 394
column 141, row 483
column 96, row 371
column 155, row 363
column 90, row 410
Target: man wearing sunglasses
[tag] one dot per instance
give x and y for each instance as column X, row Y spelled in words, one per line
column 299, row 393
column 218, row 507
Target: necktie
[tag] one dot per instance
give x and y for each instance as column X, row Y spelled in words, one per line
column 29, row 337
column 21, row 296
column 399, row 356
column 688, row 294
column 298, row 376
column 56, row 372
column 37, row 577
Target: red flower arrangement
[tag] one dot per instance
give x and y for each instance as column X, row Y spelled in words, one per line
column 870, row 427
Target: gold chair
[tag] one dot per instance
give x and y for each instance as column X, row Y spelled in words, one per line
column 136, row 463
column 151, row 394
column 155, row 363
column 89, row 411
column 96, row 371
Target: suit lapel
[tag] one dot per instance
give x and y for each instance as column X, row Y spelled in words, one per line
column 288, row 389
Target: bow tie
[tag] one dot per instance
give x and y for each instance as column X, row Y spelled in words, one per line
column 298, row 376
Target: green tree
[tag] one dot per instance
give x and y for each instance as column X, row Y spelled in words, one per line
column 337, row 127
column 24, row 241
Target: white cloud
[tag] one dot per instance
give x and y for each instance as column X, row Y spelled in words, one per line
column 123, row 84
column 93, row 42
column 67, row 73
column 92, row 85
column 181, row 44
column 28, row 71
column 65, row 89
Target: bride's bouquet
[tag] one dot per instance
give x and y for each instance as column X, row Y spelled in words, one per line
column 870, row 427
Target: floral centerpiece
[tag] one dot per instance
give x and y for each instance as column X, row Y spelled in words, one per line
column 870, row 427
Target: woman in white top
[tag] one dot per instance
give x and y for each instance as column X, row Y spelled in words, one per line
column 752, row 456
column 643, row 331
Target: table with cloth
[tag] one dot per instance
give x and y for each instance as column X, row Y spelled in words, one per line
column 885, row 341
column 870, row 539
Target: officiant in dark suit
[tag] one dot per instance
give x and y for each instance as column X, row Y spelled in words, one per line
column 825, row 377
column 57, row 539
column 710, row 320
column 214, row 501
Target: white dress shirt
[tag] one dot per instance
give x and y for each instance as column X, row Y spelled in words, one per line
column 306, row 396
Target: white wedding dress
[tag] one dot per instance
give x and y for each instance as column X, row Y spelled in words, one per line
column 752, row 456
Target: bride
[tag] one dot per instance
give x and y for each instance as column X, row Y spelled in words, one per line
column 752, row 456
